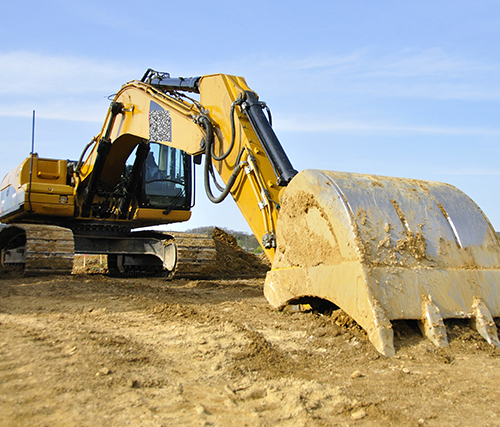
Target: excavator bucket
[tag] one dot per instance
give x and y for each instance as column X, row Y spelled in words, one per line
column 385, row 248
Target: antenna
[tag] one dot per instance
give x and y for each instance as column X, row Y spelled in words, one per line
column 31, row 162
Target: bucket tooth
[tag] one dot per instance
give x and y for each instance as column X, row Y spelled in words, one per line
column 432, row 325
column 379, row 328
column 382, row 338
column 483, row 322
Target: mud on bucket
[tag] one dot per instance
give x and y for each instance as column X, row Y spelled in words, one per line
column 386, row 248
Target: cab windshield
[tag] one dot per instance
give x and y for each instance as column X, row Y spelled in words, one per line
column 167, row 175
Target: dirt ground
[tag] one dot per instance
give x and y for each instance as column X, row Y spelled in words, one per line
column 91, row 350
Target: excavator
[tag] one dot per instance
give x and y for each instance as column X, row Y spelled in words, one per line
column 379, row 248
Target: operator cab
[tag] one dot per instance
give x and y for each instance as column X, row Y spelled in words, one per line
column 166, row 182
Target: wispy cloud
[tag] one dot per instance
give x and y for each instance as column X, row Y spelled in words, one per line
column 59, row 87
column 330, row 125
column 73, row 88
column 431, row 73
column 33, row 74
column 433, row 62
column 68, row 109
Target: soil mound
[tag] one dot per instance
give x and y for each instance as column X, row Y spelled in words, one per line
column 233, row 261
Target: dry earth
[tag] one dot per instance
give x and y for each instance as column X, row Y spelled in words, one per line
column 91, row 350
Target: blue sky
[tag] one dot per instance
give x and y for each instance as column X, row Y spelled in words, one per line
column 395, row 88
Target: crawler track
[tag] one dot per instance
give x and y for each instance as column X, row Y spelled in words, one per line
column 34, row 249
column 196, row 255
column 37, row 249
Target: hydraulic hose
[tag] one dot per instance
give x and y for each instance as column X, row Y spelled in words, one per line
column 238, row 101
column 207, row 168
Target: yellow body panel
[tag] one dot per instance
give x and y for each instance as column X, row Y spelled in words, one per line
column 156, row 216
column 51, row 205
column 45, row 171
column 49, row 188
column 48, row 194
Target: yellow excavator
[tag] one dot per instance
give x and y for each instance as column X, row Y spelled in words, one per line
column 379, row 248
